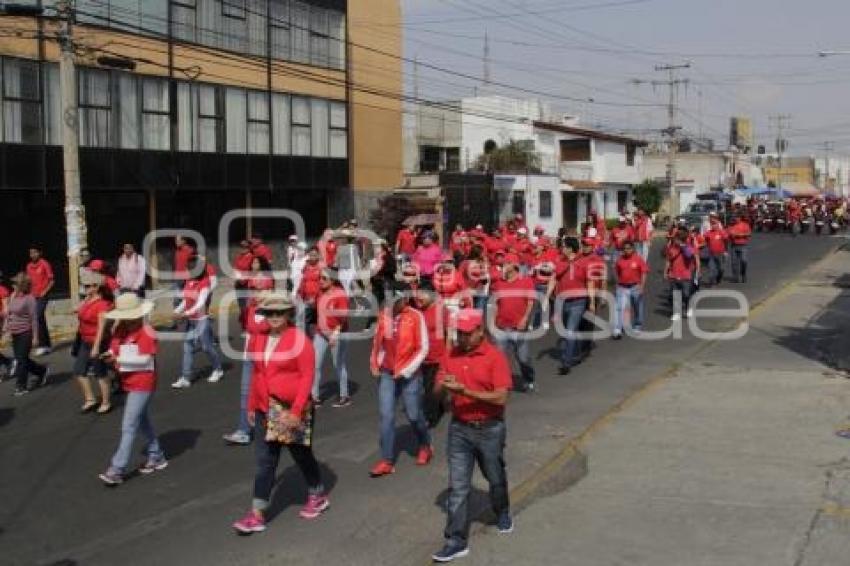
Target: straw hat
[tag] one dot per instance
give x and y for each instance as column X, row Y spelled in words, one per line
column 88, row 277
column 129, row 306
column 276, row 301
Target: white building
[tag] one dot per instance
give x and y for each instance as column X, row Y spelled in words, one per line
column 697, row 172
column 833, row 175
column 594, row 170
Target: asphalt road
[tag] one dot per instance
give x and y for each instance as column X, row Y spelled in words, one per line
column 56, row 511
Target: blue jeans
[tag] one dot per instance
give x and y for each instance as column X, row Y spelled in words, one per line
column 410, row 390
column 632, row 297
column 468, row 444
column 715, row 269
column 199, row 331
column 340, row 362
column 515, row 345
column 244, row 390
column 686, row 288
column 573, row 311
column 135, row 419
column 739, row 261
column 642, row 248
column 538, row 309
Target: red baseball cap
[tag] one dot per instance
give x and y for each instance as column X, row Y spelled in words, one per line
column 468, row 320
column 96, row 265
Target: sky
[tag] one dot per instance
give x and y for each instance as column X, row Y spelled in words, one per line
column 752, row 58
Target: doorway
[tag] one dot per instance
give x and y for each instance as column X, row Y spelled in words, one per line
column 569, row 211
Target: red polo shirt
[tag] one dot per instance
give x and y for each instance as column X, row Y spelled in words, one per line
column 89, row 315
column 681, row 266
column 740, row 233
column 484, row 369
column 717, row 239
column 630, row 269
column 182, row 254
column 406, row 241
column 620, row 235
column 511, row 307
column 40, row 274
column 571, row 277
column 435, row 322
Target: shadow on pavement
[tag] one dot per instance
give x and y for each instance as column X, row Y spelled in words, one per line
column 479, row 510
column 176, row 442
column 291, row 489
column 6, row 415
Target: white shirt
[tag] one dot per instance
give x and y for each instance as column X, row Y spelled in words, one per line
column 131, row 271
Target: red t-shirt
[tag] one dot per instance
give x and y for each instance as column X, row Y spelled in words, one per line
column 619, row 236
column 330, row 252
column 332, row 310
column 596, row 269
column 435, row 322
column 182, row 254
column 263, row 251
column 260, row 282
column 191, row 293
column 511, row 307
column 484, row 369
column 740, row 233
column 448, row 282
column 309, row 288
column 406, row 241
column 243, row 261
column 40, row 274
column 717, row 239
column 681, row 266
column 571, row 278
column 630, row 269
column 145, row 339
column 89, row 315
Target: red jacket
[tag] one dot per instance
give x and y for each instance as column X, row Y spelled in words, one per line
column 287, row 375
column 401, row 343
column 332, row 311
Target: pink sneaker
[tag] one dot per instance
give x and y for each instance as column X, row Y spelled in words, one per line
column 315, row 506
column 250, row 524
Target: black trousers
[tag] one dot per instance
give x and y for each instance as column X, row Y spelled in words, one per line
column 22, row 346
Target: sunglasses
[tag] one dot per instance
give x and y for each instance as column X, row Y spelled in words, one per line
column 274, row 313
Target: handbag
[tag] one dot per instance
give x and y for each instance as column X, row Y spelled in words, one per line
column 278, row 429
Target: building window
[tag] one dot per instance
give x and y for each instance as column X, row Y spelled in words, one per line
column 233, row 9
column 319, row 37
column 630, row 155
column 95, row 108
column 258, row 122
column 236, row 120
column 128, row 111
column 301, row 144
column 210, row 119
column 336, row 29
column 622, row 201
column 21, row 102
column 184, row 24
column 545, row 204
column 319, row 127
column 156, row 121
column 280, row 30
column 281, row 124
column 518, row 205
column 338, row 132
column 453, row 159
column 575, row 150
column 299, row 14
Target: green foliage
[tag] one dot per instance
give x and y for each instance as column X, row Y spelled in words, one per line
column 387, row 217
column 510, row 157
column 648, row 196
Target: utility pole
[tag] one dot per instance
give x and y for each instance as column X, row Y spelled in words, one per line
column 487, row 77
column 782, row 121
column 74, row 212
column 673, row 83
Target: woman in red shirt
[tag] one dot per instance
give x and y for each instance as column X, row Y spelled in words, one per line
column 97, row 302
column 133, row 352
column 280, row 411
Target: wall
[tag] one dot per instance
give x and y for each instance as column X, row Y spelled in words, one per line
column 376, row 116
column 532, row 185
column 495, row 118
column 609, row 160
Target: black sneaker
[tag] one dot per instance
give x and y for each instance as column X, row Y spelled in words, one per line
column 505, row 524
column 449, row 552
column 563, row 370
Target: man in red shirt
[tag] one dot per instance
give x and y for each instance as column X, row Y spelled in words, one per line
column 571, row 284
column 620, row 234
column 515, row 298
column 717, row 240
column 41, row 275
column 680, row 269
column 631, row 272
column 740, row 234
column 405, row 242
column 478, row 378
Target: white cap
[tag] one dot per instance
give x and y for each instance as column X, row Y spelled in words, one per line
column 293, row 237
column 591, row 232
column 522, row 231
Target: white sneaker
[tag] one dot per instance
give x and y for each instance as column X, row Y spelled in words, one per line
column 216, row 376
column 676, row 316
column 42, row 351
column 690, row 313
column 182, row 383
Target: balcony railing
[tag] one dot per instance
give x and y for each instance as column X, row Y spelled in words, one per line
column 576, row 171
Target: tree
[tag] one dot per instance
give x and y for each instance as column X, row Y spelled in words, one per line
column 387, row 217
column 510, row 157
column 648, row 196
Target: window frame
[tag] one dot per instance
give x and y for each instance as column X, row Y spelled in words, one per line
column 235, row 15
column 549, row 198
column 144, row 111
column 38, row 101
column 108, row 108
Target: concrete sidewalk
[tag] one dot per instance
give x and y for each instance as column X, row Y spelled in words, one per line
column 730, row 460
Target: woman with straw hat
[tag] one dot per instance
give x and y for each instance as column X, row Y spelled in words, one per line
column 279, row 408
column 22, row 323
column 133, row 352
column 87, row 363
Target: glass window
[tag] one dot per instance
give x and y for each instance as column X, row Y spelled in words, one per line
column 52, row 105
column 301, row 126
column 210, row 24
column 338, row 115
column 210, row 119
column 128, row 113
column 319, row 127
column 336, row 29
column 156, row 132
column 258, row 122
column 255, row 26
column 300, row 111
column 280, row 31
column 281, row 130
column 300, row 23
column 95, row 108
column 319, row 38
column 339, row 144
column 518, row 205
column 186, row 123
column 236, row 120
column 338, row 141
column 545, row 204
column 184, row 24
column 21, row 102
column 233, row 8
